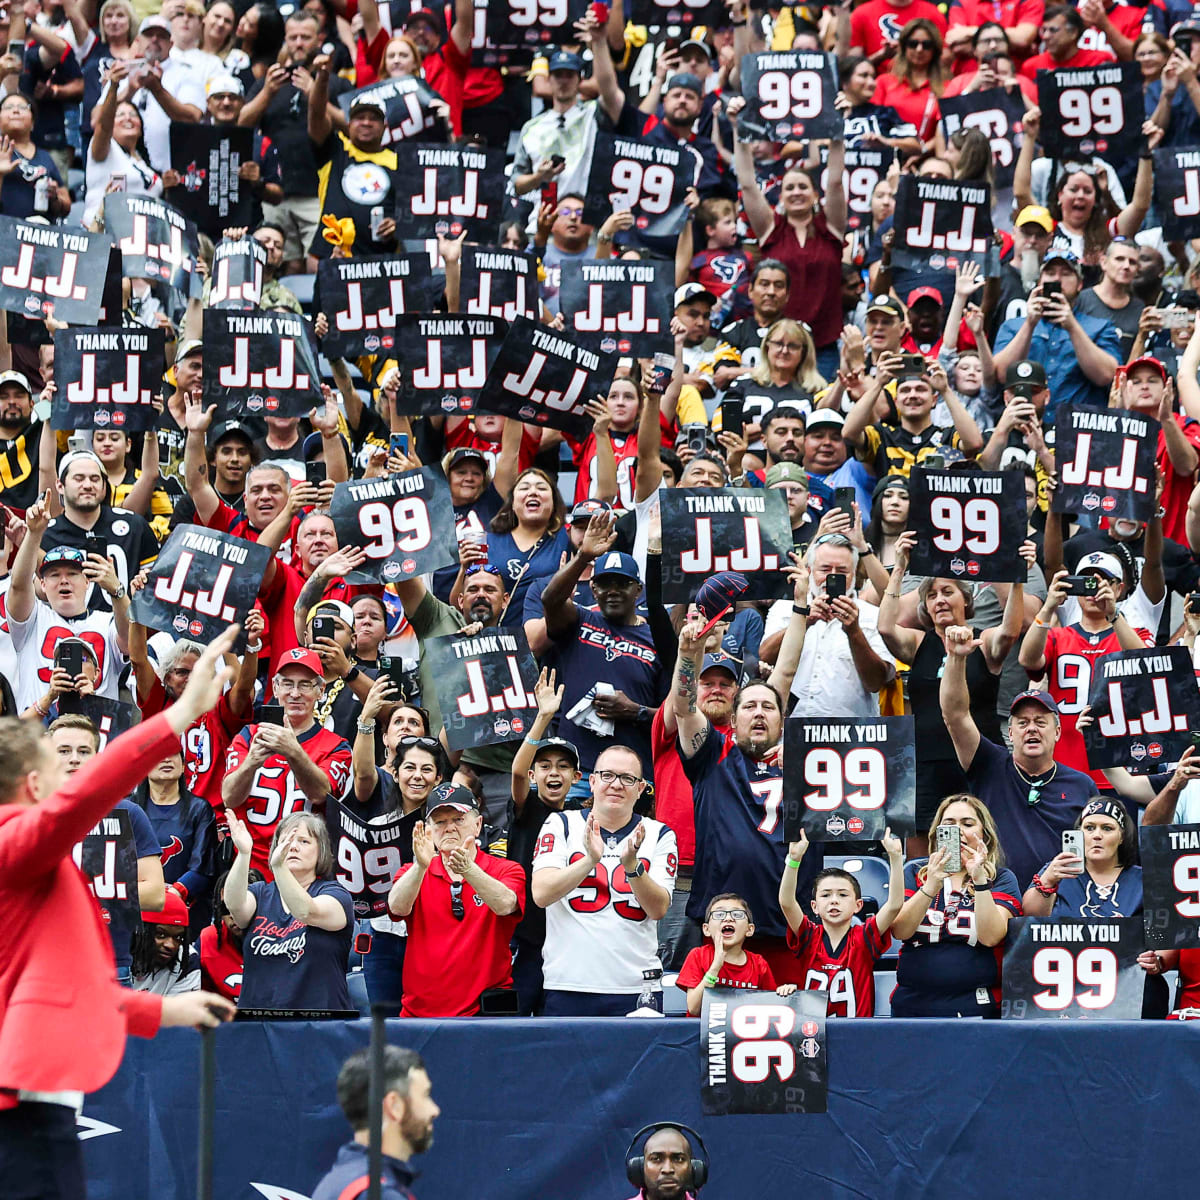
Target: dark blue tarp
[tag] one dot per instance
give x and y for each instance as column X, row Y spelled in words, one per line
column 542, row 1110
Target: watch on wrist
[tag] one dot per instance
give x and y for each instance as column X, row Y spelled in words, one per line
column 638, row 871
column 352, row 674
column 118, row 592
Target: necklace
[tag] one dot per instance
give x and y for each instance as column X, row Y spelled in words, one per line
column 1035, row 785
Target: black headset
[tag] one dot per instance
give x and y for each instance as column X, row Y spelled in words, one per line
column 635, row 1163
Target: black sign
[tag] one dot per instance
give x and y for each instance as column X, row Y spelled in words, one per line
column 484, row 686
column 1177, row 191
column 848, row 779
column 709, row 530
column 47, row 271
column 684, row 13
column 156, row 241
column 239, row 266
column 110, row 717
column 498, row 283
column 533, row 24
column 1092, row 110
column 265, row 364
column 407, row 105
column 1106, row 462
column 367, row 856
column 789, row 96
column 542, row 377
column 446, row 360
column 107, row 378
column 362, row 297
column 208, row 158
column 404, row 523
column 941, row 223
column 1171, row 885
column 762, row 1053
column 107, row 856
column 1064, row 967
column 1144, row 702
column 647, row 178
column 969, row 524
column 997, row 113
column 446, row 189
column 626, row 305
column 202, row 582
column 865, row 167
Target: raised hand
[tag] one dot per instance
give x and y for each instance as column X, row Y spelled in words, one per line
column 239, row 832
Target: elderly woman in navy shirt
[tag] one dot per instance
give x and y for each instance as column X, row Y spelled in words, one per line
column 298, row 925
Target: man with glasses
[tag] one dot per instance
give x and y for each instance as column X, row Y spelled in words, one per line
column 605, row 879
column 273, row 770
column 562, row 237
column 462, row 906
column 1062, row 31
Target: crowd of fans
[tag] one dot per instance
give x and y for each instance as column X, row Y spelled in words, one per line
column 636, row 827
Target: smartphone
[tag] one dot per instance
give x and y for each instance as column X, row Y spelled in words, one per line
column 1072, row 843
column 845, row 499
column 550, row 192
column 949, row 838
column 68, row 656
column 696, row 437
column 557, row 160
column 362, row 943
column 314, row 473
column 835, row 585
column 1194, row 737
column 1178, row 318
column 1193, row 601
column 1051, row 288
column 323, row 627
column 270, row 714
column 732, row 417
column 395, row 670
column 933, row 462
column 1082, row 585
column 93, row 543
column 116, row 183
column 77, row 442
column 912, row 366
column 398, row 444
column 660, row 377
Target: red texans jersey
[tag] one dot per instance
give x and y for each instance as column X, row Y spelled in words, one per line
column 460, row 434
column 1071, row 653
column 847, row 973
column 624, row 450
column 275, row 794
column 220, row 964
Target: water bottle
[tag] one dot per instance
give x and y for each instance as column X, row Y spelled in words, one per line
column 645, row 1003
column 41, row 194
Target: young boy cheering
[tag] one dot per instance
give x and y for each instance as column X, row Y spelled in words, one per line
column 838, row 956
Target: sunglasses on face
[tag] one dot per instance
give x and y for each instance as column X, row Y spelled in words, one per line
column 919, row 44
column 570, row 212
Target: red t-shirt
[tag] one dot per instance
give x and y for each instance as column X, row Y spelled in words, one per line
column 446, row 71
column 275, row 794
column 847, row 974
column 879, row 21
column 1189, row 979
column 624, row 451
column 1008, row 13
column 753, row 974
column 1129, row 19
column 1081, row 58
column 449, row 963
column 918, row 108
column 958, row 86
column 278, row 600
column 220, row 965
column 461, row 433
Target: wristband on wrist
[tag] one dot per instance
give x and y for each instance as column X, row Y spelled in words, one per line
column 866, row 551
column 1044, row 888
column 710, row 979
column 366, row 726
column 791, row 862
column 254, row 647
column 923, row 892
column 532, row 741
column 352, row 674
column 801, row 610
column 986, row 886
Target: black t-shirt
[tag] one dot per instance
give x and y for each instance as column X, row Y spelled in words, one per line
column 50, row 128
column 123, row 536
column 19, row 195
column 746, row 337
column 352, row 183
column 285, row 122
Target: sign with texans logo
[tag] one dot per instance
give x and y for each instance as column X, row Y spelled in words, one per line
column 107, row 857
column 789, row 96
column 542, row 377
column 1092, row 111
column 969, row 524
column 646, row 178
column 407, row 104
column 763, row 1053
column 941, row 223
column 446, row 361
column 107, row 378
column 709, row 530
column 998, row 113
column 865, row 167
column 682, row 13
column 1170, row 857
column 202, row 582
column 362, row 297
column 47, row 271
column 156, row 241
column 484, row 686
column 532, row 24
column 1144, row 703
column 1106, row 462
column 442, row 190
column 1177, row 191
column 404, row 523
column 1057, row 968
column 849, row 779
column 627, row 305
column 209, row 158
column 368, row 855
column 498, row 283
column 263, row 364
column 238, row 269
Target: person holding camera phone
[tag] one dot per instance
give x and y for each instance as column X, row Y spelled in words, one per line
column 74, row 674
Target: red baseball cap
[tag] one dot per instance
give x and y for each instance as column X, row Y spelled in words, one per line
column 924, row 293
column 1147, row 360
column 174, row 911
column 301, row 656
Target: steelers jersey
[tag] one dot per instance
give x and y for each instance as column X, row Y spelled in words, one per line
column 351, row 182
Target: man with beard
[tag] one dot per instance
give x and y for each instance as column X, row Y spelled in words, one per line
column 160, row 951
column 783, row 439
column 737, row 787
column 1032, row 798
column 667, row 1171
column 770, row 286
column 681, row 105
column 408, row 1116
column 20, row 442
column 90, row 524
column 608, row 643
column 461, row 905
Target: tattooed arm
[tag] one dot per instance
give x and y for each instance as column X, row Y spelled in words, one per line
column 692, row 724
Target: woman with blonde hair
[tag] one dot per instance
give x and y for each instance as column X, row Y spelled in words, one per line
column 954, row 919
column 916, row 79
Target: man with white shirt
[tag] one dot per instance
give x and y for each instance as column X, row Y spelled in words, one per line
column 844, row 663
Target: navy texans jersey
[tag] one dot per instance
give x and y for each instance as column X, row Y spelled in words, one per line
column 739, row 832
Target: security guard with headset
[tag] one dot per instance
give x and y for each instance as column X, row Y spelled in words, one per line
column 666, row 1161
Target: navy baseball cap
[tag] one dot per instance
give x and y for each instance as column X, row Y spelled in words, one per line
column 564, row 60
column 1038, row 697
column 616, row 563
column 224, row 429
column 451, row 795
column 557, row 743
column 1061, row 253
column 467, row 454
column 70, row 556
column 726, row 662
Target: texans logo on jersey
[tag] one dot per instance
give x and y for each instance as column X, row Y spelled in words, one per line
column 171, row 849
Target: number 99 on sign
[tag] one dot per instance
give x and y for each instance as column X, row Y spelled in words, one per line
column 757, row 1053
column 402, row 525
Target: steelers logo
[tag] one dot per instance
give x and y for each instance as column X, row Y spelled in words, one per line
column 365, row 183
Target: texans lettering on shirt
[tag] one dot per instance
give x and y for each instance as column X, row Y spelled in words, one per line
column 847, row 974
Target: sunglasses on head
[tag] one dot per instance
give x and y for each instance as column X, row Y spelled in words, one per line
column 484, row 568
column 415, row 739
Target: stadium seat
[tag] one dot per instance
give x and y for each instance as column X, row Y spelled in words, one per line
column 356, row 981
column 872, row 876
column 884, row 982
column 674, row 999
column 301, row 286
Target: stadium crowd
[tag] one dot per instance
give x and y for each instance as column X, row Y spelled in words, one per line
column 635, row 828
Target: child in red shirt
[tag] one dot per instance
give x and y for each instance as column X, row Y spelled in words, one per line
column 726, row 963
